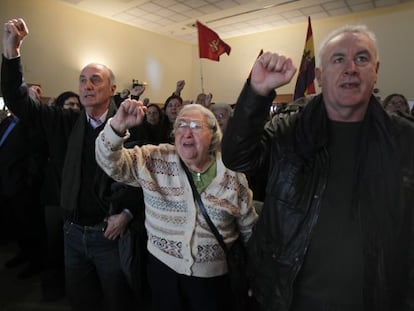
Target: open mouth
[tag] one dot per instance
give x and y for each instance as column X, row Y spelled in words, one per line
column 350, row 86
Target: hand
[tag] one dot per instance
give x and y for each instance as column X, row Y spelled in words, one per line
column 14, row 32
column 179, row 87
column 207, row 100
column 137, row 90
column 35, row 92
column 51, row 101
column 116, row 225
column 271, row 71
column 130, row 113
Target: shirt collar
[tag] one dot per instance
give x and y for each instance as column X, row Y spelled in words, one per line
column 99, row 121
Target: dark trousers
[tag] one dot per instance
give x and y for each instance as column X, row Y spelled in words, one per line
column 176, row 292
column 53, row 279
column 24, row 222
column 303, row 303
column 94, row 279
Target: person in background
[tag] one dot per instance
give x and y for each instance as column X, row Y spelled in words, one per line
column 93, row 220
column 36, row 92
column 137, row 90
column 204, row 99
column 121, row 96
column 68, row 100
column 186, row 266
column 396, row 102
column 22, row 161
column 146, row 101
column 223, row 112
column 153, row 114
column 150, row 130
column 179, row 87
column 172, row 106
column 336, row 229
column 53, row 280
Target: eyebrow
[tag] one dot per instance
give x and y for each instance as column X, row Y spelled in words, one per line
column 95, row 75
column 363, row 51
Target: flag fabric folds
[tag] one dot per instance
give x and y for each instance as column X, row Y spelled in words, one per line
column 305, row 83
column 209, row 43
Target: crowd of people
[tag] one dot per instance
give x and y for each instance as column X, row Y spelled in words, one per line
column 334, row 172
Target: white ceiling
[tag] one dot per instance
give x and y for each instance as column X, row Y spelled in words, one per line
column 229, row 18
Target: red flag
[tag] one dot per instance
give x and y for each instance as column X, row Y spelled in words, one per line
column 305, row 83
column 209, row 43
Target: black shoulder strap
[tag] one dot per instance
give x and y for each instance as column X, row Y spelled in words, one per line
column 197, row 198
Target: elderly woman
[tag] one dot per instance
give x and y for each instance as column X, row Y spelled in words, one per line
column 396, row 102
column 187, row 267
column 223, row 112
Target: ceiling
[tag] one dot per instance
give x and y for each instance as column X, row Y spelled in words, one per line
column 229, row 18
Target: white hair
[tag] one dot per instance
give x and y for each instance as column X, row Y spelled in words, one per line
column 363, row 29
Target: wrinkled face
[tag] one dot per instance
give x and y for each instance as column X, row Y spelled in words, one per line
column 348, row 75
column 222, row 117
column 153, row 115
column 396, row 103
column 95, row 88
column 72, row 103
column 193, row 138
column 173, row 107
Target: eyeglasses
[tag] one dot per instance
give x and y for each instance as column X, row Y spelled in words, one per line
column 194, row 125
column 398, row 104
column 220, row 116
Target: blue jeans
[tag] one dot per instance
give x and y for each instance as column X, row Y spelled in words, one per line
column 94, row 279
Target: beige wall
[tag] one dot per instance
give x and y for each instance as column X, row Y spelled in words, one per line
column 62, row 39
column 394, row 28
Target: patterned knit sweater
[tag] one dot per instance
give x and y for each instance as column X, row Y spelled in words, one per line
column 178, row 234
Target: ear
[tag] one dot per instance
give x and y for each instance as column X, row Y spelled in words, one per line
column 377, row 67
column 318, row 77
column 113, row 88
column 376, row 71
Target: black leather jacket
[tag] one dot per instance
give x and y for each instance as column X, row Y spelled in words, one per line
column 293, row 150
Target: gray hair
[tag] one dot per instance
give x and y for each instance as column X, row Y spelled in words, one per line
column 112, row 79
column 225, row 106
column 362, row 29
column 211, row 121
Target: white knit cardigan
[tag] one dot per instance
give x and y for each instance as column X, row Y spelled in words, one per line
column 178, row 234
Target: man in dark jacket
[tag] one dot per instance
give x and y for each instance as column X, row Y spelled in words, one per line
column 336, row 230
column 93, row 224
column 21, row 174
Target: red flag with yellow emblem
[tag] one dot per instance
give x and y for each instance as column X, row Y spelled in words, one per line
column 305, row 83
column 209, row 43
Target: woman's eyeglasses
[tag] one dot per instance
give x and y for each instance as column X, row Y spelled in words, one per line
column 194, row 125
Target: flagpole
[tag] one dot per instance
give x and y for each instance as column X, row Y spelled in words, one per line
column 201, row 77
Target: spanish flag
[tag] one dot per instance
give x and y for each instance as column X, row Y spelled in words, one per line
column 209, row 43
column 305, row 83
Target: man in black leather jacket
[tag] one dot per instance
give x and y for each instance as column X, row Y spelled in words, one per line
column 336, row 230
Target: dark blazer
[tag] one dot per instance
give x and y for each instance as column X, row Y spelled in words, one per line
column 57, row 127
column 21, row 161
